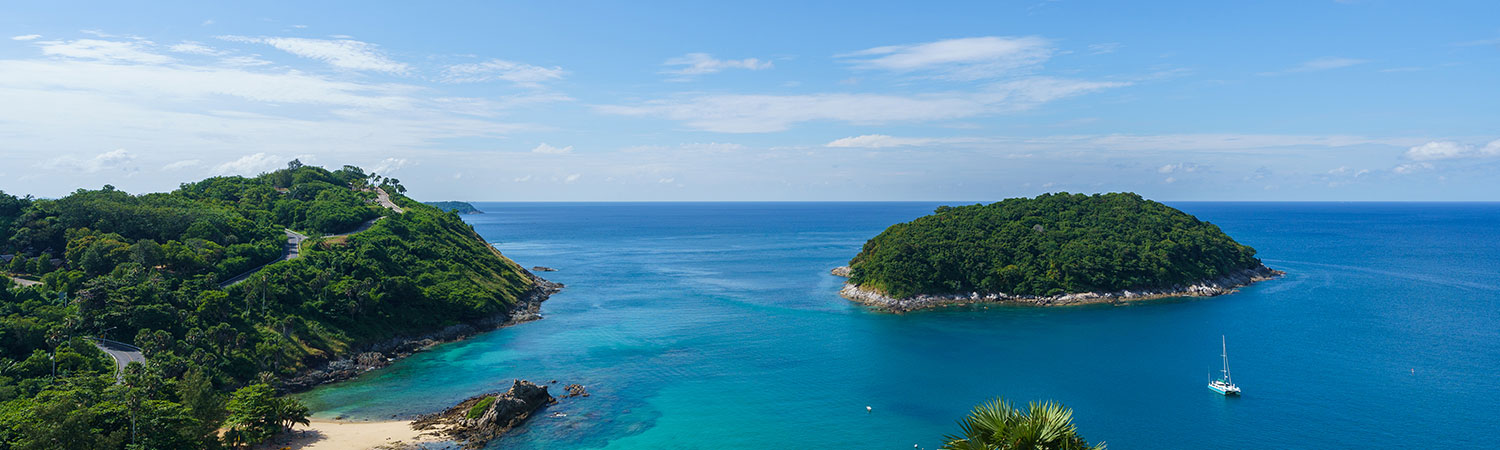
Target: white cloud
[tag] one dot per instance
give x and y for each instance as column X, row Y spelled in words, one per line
column 342, row 53
column 389, row 166
column 25, row 37
column 178, row 165
column 1452, row 150
column 703, row 63
column 962, row 59
column 572, row 178
column 1178, row 168
column 741, row 113
column 667, row 180
column 113, row 159
column 521, row 179
column 884, row 141
column 1104, row 48
column 194, row 48
column 249, row 165
column 1409, row 168
column 1438, row 150
column 1320, row 64
column 101, row 50
column 521, row 74
column 550, row 150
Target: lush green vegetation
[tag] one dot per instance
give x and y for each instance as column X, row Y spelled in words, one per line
column 1048, row 245
column 479, row 408
column 996, row 425
column 146, row 269
column 458, row 207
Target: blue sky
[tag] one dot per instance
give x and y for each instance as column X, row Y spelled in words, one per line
column 966, row 101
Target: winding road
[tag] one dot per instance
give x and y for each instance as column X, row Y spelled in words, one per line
column 291, row 250
column 294, row 239
column 122, row 353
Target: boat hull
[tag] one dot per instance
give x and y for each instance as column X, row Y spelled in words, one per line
column 1224, row 390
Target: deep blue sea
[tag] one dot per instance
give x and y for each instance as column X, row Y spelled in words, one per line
column 717, row 325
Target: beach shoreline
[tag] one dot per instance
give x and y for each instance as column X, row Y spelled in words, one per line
column 323, row 434
column 1223, row 285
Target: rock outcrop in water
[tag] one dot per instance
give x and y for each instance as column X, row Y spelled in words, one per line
column 480, row 419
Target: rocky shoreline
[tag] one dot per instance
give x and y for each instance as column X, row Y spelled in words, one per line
column 1208, row 288
column 482, row 418
column 380, row 354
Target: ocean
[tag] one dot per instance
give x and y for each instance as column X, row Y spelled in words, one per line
column 717, row 325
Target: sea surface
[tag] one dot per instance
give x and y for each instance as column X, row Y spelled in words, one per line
column 717, row 326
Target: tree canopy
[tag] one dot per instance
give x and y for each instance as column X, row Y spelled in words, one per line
column 1048, row 245
column 146, row 269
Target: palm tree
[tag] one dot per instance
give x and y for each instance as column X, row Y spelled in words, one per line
column 996, row 425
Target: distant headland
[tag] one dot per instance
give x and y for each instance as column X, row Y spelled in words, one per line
column 1055, row 249
column 459, row 207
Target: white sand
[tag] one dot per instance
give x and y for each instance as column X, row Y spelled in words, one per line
column 341, row 435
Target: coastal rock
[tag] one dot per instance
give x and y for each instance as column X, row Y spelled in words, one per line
column 542, row 269
column 840, row 271
column 505, row 411
column 575, row 390
column 1225, row 284
column 380, row 354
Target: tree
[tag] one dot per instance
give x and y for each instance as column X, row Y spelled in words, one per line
column 253, row 413
column 18, row 264
column 996, row 425
column 202, row 402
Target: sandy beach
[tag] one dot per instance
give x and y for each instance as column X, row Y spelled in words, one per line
column 341, row 435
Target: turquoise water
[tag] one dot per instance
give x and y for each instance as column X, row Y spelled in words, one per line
column 716, row 325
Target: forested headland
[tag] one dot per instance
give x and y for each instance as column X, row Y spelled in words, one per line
column 458, row 207
column 1051, row 245
column 147, row 269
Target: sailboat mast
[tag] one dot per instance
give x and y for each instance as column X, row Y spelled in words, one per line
column 1224, row 348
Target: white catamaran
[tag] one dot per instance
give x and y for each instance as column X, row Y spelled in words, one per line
column 1224, row 385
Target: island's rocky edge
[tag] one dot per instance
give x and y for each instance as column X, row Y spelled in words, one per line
column 383, row 353
column 1207, row 288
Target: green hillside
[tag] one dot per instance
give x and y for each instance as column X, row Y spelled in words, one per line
column 146, row 269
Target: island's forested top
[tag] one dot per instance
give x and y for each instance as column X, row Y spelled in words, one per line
column 1048, row 245
column 148, row 269
column 458, row 207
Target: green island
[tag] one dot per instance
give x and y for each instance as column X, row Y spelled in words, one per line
column 458, row 207
column 214, row 286
column 1055, row 249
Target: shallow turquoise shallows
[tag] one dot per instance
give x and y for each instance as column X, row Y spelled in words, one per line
column 717, row 325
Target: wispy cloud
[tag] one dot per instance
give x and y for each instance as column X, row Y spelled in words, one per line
column 550, row 150
column 742, row 113
column 194, row 48
column 1317, row 65
column 102, row 50
column 251, row 164
column 1437, row 150
column 342, row 53
column 521, row 74
column 959, row 59
column 25, row 37
column 702, row 63
column 885, row 141
column 117, row 159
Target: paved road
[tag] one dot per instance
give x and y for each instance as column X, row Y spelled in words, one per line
column 385, row 200
column 122, row 353
column 294, row 239
column 291, row 250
